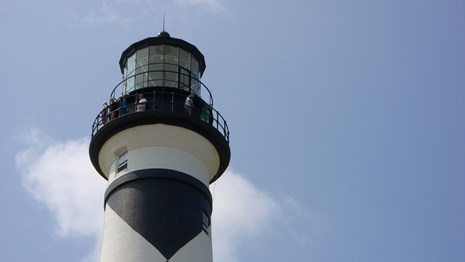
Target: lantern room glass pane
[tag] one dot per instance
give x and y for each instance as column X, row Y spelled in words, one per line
column 195, row 76
column 155, row 77
column 142, row 60
column 130, row 72
column 194, row 67
column 141, row 80
column 156, row 54
column 195, row 85
column 171, row 75
column 184, row 59
column 131, row 64
column 171, row 54
column 184, row 79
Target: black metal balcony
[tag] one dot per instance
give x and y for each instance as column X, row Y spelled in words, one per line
column 167, row 97
column 164, row 102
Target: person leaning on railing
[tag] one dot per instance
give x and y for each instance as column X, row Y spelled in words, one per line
column 140, row 106
column 104, row 113
column 124, row 104
column 189, row 103
column 205, row 113
column 114, row 108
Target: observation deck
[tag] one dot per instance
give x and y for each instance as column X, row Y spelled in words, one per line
column 161, row 100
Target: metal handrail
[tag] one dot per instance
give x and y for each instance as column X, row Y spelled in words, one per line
column 105, row 116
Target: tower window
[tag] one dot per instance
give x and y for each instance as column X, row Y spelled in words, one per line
column 205, row 221
column 122, row 162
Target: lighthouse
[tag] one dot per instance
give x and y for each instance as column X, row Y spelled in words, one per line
column 160, row 142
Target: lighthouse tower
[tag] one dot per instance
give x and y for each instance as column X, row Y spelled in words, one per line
column 159, row 142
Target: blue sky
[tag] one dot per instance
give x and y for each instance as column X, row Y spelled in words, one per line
column 346, row 118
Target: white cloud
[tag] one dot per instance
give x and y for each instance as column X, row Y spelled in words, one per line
column 240, row 211
column 243, row 214
column 59, row 176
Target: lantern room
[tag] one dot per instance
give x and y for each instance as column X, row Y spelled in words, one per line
column 162, row 61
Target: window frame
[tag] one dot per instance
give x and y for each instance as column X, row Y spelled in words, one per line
column 122, row 161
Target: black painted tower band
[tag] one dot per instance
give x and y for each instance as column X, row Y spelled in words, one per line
column 164, row 206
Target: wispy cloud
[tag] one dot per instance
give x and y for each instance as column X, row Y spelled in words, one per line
column 59, row 175
column 241, row 211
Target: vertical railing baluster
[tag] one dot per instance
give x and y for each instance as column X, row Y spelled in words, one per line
column 135, row 102
column 172, row 102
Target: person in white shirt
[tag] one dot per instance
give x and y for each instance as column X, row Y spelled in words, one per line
column 189, row 103
column 141, row 103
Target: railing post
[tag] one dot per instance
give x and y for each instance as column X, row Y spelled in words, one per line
column 135, row 102
column 172, row 101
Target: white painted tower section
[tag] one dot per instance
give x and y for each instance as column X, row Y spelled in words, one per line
column 160, row 146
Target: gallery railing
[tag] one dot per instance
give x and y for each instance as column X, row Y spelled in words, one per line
column 159, row 101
